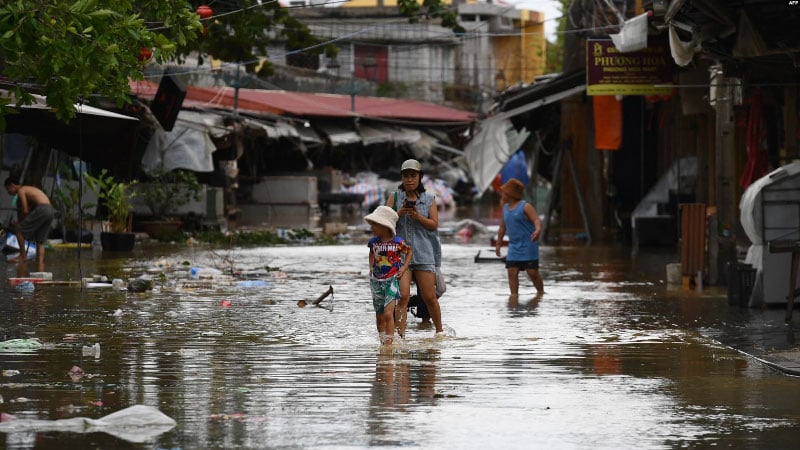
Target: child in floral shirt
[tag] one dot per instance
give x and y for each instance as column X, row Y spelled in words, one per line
column 389, row 257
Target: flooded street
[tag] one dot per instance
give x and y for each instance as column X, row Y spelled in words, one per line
column 610, row 357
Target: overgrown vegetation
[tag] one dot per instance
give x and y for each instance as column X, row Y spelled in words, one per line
column 430, row 9
column 555, row 50
column 167, row 191
column 394, row 89
column 252, row 238
column 71, row 51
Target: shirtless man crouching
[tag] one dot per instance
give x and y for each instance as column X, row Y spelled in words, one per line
column 35, row 219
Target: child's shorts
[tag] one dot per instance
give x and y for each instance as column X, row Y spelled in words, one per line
column 384, row 292
column 523, row 265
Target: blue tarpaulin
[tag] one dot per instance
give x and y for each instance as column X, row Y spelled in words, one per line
column 516, row 167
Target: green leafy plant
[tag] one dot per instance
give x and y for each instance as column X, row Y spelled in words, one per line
column 430, row 9
column 167, row 191
column 67, row 199
column 115, row 196
column 79, row 49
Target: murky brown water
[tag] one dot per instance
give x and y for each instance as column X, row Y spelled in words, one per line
column 608, row 358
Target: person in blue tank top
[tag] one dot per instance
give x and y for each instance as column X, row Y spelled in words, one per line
column 521, row 221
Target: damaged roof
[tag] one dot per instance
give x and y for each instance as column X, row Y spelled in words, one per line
column 759, row 38
column 304, row 104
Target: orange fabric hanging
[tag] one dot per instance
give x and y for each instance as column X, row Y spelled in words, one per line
column 607, row 122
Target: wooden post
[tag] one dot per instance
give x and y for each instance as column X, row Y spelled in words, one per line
column 579, row 193
column 554, row 187
column 792, row 282
column 725, row 181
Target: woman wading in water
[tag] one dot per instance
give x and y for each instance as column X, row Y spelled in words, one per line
column 418, row 225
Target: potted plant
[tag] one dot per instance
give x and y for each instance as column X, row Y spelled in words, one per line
column 71, row 211
column 164, row 193
column 114, row 198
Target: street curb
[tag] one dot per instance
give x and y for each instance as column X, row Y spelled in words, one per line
column 789, row 366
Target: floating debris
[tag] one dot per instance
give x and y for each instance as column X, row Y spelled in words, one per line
column 22, row 345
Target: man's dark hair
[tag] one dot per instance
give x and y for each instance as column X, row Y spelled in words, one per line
column 11, row 180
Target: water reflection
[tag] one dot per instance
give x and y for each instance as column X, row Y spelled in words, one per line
column 526, row 307
column 608, row 349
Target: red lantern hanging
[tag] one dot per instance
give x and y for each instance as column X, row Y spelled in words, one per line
column 204, row 11
column 145, row 54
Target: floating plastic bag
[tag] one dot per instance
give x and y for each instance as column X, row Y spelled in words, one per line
column 252, row 284
column 92, row 350
column 441, row 287
column 138, row 423
column 20, row 345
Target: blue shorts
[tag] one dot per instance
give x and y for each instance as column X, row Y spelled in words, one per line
column 384, row 292
column 523, row 265
column 423, row 267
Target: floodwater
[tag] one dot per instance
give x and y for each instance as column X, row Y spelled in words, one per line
column 608, row 358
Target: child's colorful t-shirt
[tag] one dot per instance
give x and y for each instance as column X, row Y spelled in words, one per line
column 388, row 256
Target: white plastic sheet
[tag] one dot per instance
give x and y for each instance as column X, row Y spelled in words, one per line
column 185, row 147
column 633, row 35
column 682, row 52
column 138, row 423
column 488, row 151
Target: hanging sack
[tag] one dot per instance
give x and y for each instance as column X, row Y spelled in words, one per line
column 441, row 287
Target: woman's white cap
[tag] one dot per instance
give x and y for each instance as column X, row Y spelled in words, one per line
column 411, row 164
column 383, row 215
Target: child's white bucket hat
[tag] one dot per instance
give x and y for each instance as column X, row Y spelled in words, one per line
column 383, row 215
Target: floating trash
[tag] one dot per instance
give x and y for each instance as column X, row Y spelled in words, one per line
column 204, row 273
column 20, row 345
column 25, row 286
column 252, row 284
column 137, row 423
column 93, row 350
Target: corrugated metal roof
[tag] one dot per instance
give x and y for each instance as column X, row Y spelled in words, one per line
column 306, row 104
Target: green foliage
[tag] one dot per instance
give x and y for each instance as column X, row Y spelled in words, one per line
column 256, row 237
column 432, row 9
column 168, row 190
column 392, row 89
column 299, row 37
column 72, row 50
column 170, row 235
column 240, row 238
column 555, row 50
column 331, row 51
column 67, row 200
column 116, row 196
column 238, row 32
column 326, row 240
